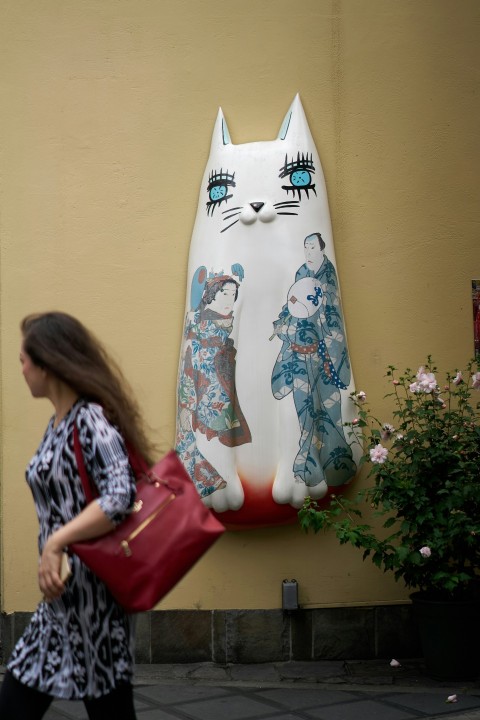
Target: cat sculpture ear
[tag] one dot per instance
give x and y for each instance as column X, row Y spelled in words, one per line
column 295, row 124
column 220, row 136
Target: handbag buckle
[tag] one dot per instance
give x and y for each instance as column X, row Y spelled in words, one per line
column 153, row 478
column 169, row 483
column 125, row 543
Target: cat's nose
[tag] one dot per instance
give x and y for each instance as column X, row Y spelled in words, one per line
column 257, row 206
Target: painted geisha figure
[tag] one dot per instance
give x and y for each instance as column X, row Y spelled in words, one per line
column 313, row 365
column 208, row 407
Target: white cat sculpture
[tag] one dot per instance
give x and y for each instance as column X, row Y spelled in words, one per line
column 264, row 375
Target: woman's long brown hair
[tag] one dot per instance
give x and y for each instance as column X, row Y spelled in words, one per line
column 61, row 344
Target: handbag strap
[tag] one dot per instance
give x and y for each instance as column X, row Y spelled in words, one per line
column 137, row 463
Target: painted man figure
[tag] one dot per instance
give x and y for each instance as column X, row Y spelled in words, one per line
column 313, row 364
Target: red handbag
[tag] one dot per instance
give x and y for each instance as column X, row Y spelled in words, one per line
column 168, row 530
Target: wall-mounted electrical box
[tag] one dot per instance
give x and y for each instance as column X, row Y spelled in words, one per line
column 290, row 595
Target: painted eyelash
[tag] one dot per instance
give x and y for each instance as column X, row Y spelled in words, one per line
column 219, row 181
column 300, row 174
column 303, row 162
column 220, row 178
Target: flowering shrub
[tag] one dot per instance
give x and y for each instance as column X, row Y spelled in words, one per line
column 426, row 471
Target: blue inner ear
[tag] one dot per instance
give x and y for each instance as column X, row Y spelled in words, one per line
column 198, row 286
column 225, row 134
column 285, row 125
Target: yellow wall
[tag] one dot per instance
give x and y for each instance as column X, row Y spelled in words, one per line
column 107, row 113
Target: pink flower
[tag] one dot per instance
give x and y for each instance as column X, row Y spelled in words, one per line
column 414, row 388
column 458, row 379
column 387, row 431
column 476, row 381
column 396, row 382
column 378, row 454
column 361, row 396
column 425, row 551
column 355, row 421
column 426, row 381
column 451, row 699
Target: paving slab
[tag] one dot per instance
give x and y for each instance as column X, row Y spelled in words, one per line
column 291, row 691
column 157, row 714
column 474, row 715
column 70, row 710
column 435, row 704
column 258, row 673
column 234, row 706
column 210, row 673
column 170, row 694
column 411, row 672
column 314, row 671
column 360, row 710
column 295, row 699
column 289, row 716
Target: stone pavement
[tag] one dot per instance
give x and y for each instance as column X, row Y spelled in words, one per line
column 325, row 690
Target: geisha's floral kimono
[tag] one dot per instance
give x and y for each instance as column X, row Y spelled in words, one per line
column 208, row 401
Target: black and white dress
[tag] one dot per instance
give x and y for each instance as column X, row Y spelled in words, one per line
column 82, row 644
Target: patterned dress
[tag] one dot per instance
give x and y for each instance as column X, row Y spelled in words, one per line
column 80, row 645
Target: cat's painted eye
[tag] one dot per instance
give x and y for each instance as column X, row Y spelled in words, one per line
column 300, row 174
column 301, row 178
column 218, row 192
column 217, row 188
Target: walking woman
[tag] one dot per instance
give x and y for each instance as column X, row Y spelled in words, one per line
column 79, row 644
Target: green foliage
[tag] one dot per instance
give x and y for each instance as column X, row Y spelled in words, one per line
column 425, row 469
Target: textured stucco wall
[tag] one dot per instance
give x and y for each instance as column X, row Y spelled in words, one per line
column 107, row 113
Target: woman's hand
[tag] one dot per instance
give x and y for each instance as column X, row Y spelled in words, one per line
column 90, row 523
column 49, row 579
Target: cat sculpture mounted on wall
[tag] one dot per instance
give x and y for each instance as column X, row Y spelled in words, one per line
column 264, row 375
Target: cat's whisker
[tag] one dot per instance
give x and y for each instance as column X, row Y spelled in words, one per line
column 229, row 226
column 286, row 213
column 232, row 215
column 286, row 202
column 231, row 209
